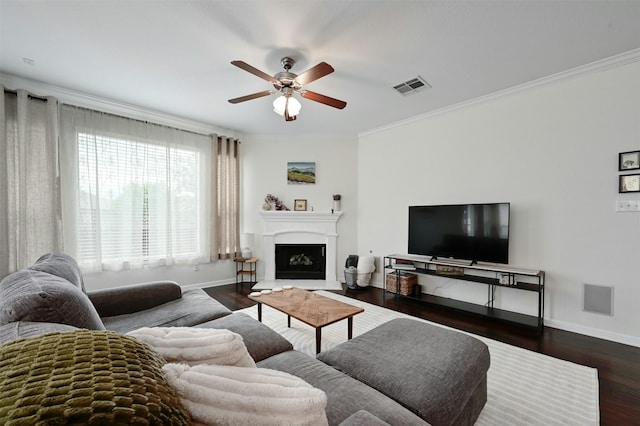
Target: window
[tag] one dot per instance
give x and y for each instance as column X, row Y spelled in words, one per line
column 145, row 196
column 136, row 195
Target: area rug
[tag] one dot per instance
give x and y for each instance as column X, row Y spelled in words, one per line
column 524, row 387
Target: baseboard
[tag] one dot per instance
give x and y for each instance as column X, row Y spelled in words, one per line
column 208, row 284
column 593, row 332
column 580, row 329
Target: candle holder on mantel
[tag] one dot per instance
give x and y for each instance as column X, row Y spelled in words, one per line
column 336, row 202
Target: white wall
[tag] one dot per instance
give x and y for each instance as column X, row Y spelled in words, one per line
column 552, row 152
column 264, row 171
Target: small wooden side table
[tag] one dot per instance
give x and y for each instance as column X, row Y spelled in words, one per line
column 245, row 267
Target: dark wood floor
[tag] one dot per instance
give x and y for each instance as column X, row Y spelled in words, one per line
column 618, row 365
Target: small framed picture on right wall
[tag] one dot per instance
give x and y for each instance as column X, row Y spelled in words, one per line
column 629, row 161
column 629, row 183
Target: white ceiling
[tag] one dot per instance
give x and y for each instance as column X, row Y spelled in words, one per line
column 174, row 56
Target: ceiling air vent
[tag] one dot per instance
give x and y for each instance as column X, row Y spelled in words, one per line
column 411, row 86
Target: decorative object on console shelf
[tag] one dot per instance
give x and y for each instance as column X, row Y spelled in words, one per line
column 401, row 282
column 449, row 270
column 629, row 183
column 403, row 264
column 629, row 161
column 272, row 199
column 300, row 205
column 507, row 279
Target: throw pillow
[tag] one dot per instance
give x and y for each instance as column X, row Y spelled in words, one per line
column 196, row 345
column 224, row 395
column 85, row 377
column 36, row 296
column 61, row 265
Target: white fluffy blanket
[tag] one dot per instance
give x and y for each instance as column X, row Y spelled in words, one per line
column 196, row 345
column 366, row 264
column 222, row 395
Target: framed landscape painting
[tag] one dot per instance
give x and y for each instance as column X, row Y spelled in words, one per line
column 301, row 172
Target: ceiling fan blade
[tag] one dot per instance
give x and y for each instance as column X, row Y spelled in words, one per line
column 323, row 99
column 255, row 71
column 314, row 73
column 251, row 96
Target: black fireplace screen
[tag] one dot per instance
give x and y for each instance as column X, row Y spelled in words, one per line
column 301, row 261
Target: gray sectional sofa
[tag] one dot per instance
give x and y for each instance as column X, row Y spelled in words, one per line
column 399, row 374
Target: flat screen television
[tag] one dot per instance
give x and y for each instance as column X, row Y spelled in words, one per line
column 473, row 232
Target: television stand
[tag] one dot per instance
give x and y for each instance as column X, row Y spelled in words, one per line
column 493, row 276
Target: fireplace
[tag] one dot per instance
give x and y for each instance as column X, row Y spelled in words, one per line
column 301, row 228
column 300, row 261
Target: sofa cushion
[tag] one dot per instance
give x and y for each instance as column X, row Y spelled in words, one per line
column 85, row 377
column 129, row 299
column 194, row 307
column 345, row 395
column 431, row 370
column 61, row 265
column 30, row 295
column 363, row 418
column 20, row 329
column 224, row 395
column 194, row 346
column 261, row 341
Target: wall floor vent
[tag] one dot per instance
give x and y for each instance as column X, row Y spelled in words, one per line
column 412, row 86
column 598, row 299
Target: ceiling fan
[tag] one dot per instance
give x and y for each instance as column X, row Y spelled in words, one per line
column 287, row 83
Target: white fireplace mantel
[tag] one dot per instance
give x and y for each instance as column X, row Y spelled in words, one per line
column 292, row 227
column 293, row 216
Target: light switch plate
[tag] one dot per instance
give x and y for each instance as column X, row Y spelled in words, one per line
column 628, row 206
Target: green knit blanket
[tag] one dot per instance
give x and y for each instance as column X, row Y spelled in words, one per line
column 85, row 377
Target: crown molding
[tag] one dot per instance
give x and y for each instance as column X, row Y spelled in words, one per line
column 622, row 59
column 86, row 100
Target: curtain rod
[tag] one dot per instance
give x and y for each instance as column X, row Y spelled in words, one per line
column 149, row 122
column 29, row 95
column 15, row 92
column 136, row 119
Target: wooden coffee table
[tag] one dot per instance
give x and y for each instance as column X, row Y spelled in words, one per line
column 310, row 308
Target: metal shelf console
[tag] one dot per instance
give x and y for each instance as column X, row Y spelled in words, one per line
column 494, row 276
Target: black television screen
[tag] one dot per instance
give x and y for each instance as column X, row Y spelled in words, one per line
column 474, row 232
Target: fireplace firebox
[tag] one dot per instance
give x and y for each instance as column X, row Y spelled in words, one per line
column 300, row 261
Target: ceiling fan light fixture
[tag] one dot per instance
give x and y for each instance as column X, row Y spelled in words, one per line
column 292, row 105
column 287, row 83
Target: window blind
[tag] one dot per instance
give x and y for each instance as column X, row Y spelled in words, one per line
column 140, row 193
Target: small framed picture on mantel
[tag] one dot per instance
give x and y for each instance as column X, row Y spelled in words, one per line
column 300, row 205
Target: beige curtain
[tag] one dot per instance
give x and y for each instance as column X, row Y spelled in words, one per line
column 225, row 198
column 30, row 222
